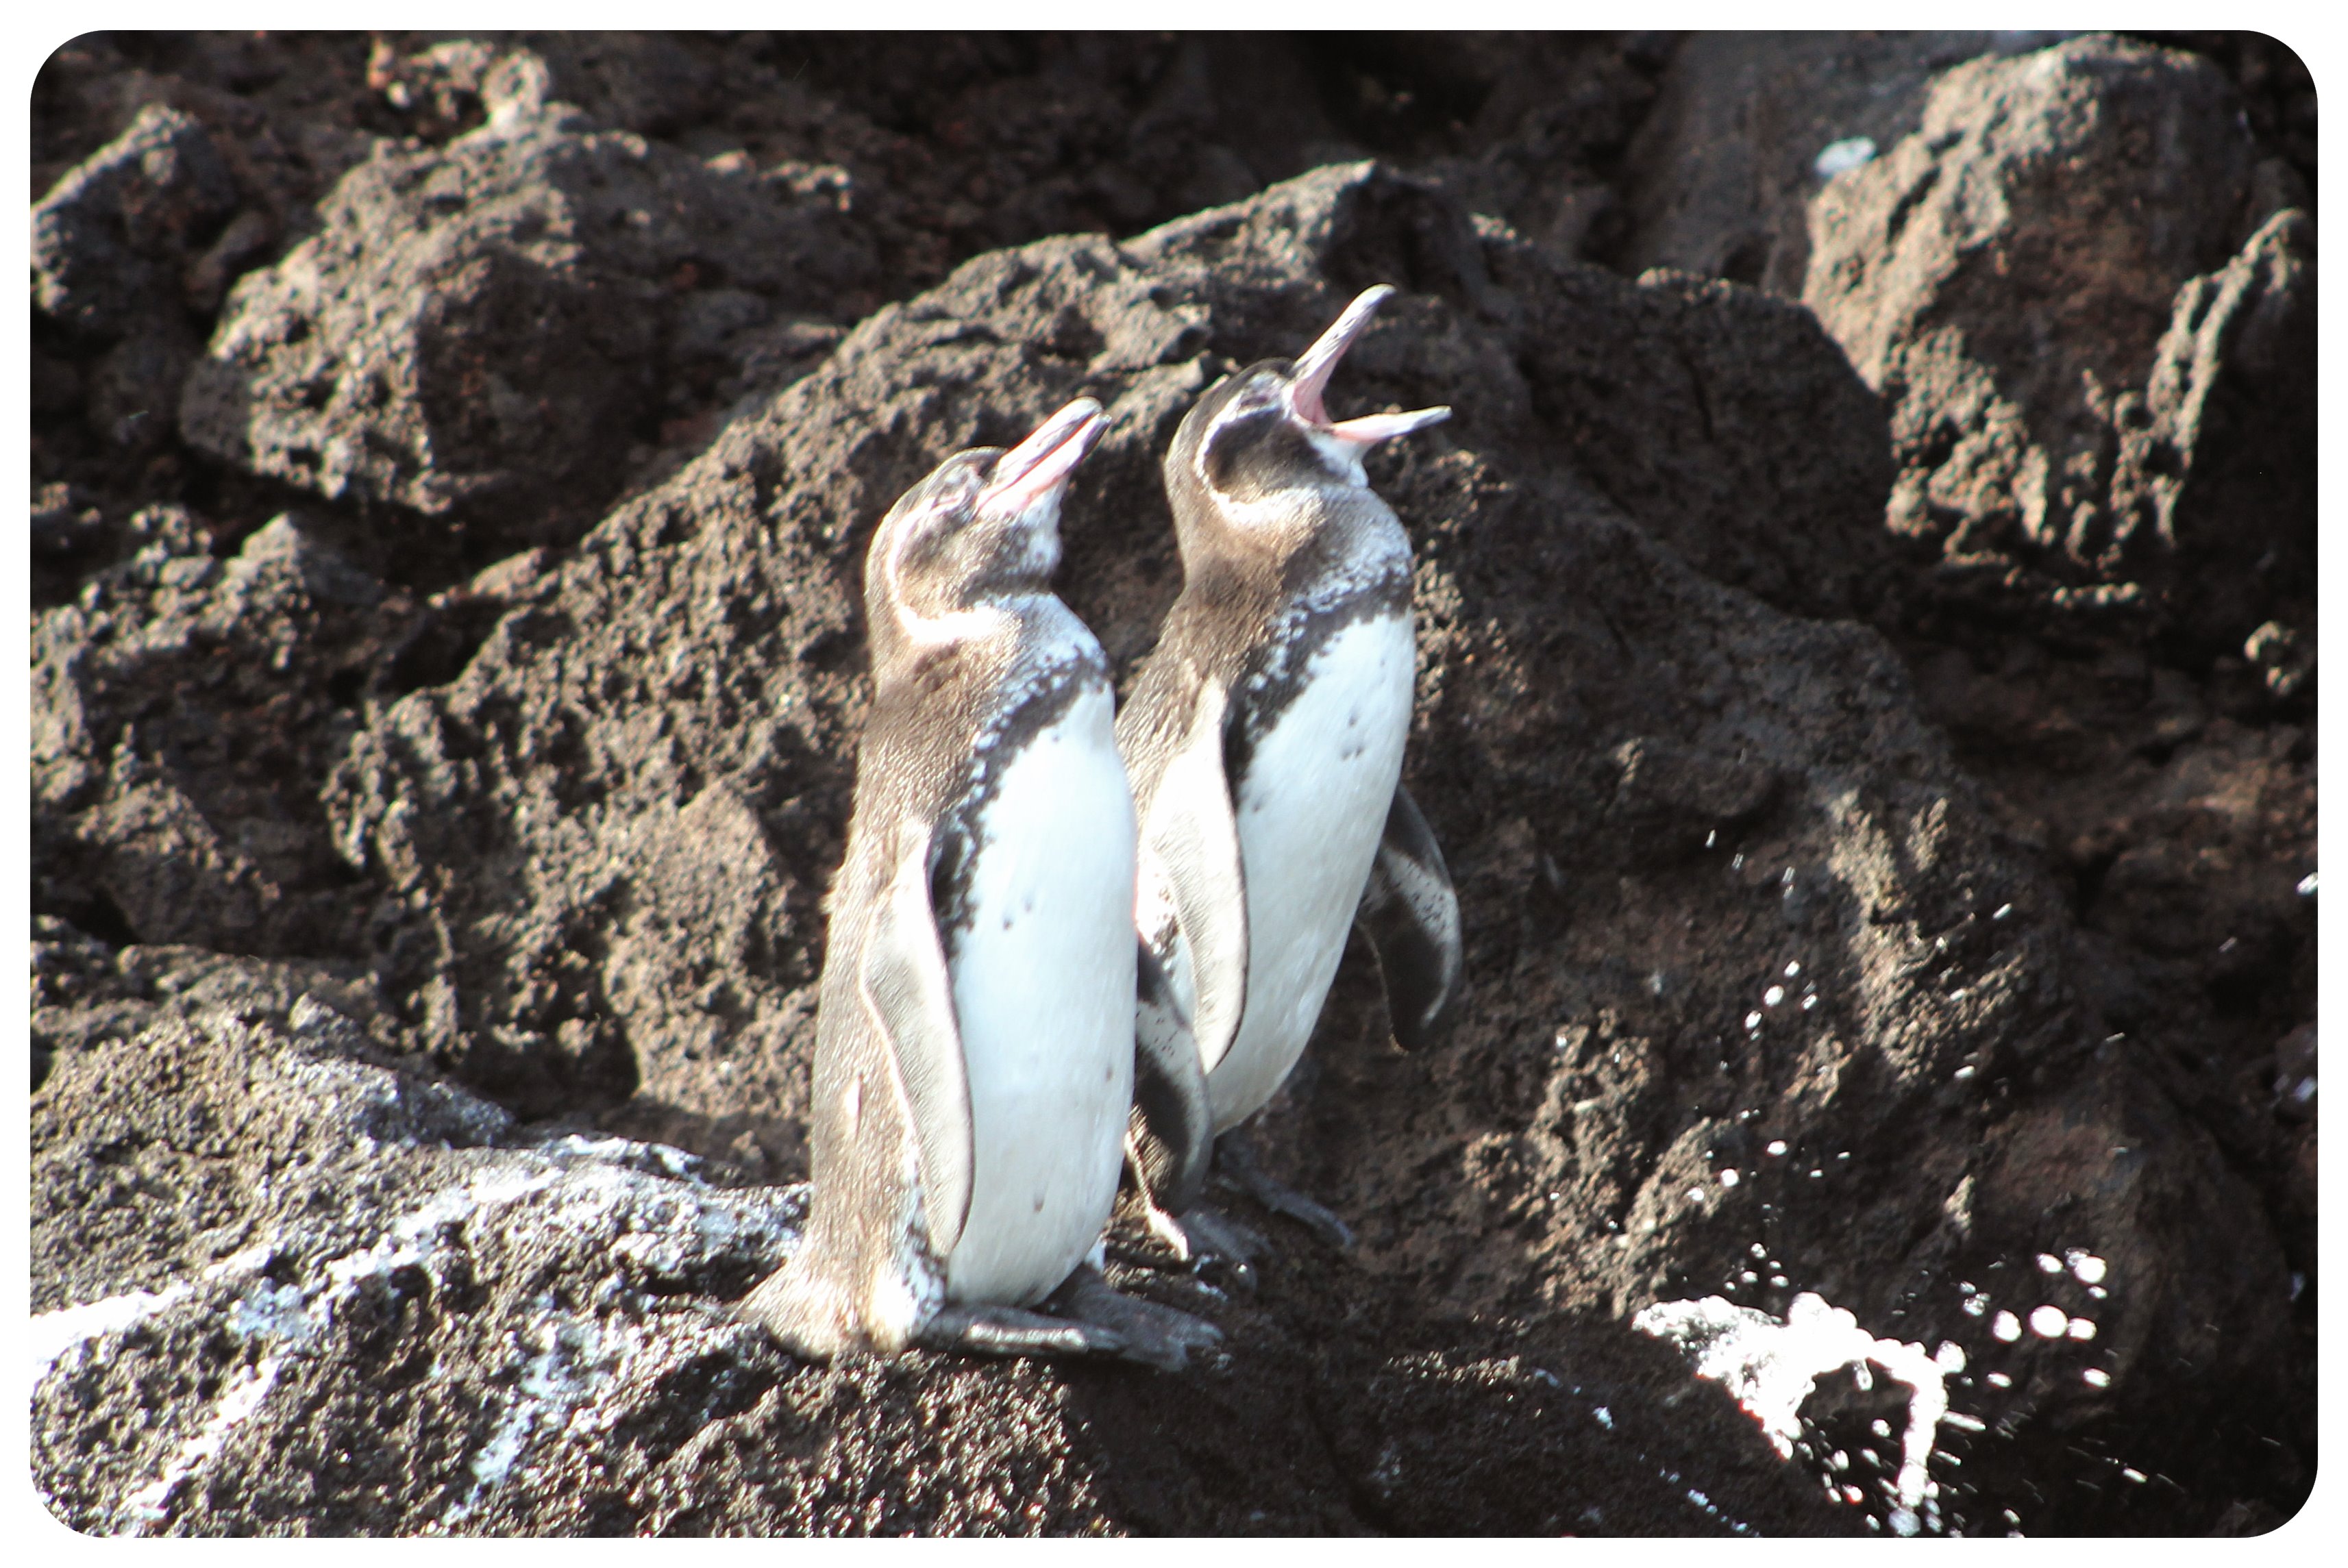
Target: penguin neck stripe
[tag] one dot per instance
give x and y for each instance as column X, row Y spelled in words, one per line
column 893, row 573
column 955, row 626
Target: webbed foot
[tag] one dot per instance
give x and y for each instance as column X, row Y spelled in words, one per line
column 985, row 1329
column 1208, row 1235
column 1203, row 1237
column 1154, row 1336
column 1235, row 1162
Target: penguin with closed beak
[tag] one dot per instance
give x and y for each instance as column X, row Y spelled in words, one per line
column 974, row 1029
column 1265, row 740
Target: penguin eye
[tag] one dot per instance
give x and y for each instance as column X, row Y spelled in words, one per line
column 932, row 527
column 1244, row 452
column 1260, row 394
column 954, row 500
column 1228, row 443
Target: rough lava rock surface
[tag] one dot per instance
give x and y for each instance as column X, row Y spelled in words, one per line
column 2048, row 354
column 185, row 711
column 540, row 273
column 1722, row 169
column 428, row 884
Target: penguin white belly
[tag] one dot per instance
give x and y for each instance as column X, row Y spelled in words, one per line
column 1310, row 814
column 1043, row 988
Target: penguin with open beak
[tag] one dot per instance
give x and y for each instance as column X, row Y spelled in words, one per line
column 974, row 1040
column 1264, row 742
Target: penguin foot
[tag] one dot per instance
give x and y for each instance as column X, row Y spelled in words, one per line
column 985, row 1329
column 1235, row 1162
column 1201, row 1237
column 1154, row 1336
column 1210, row 1236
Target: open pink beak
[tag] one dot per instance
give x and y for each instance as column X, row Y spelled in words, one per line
column 1315, row 365
column 1042, row 464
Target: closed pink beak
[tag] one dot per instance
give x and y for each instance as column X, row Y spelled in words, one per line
column 1042, row 464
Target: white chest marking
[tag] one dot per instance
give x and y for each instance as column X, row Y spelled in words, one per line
column 1310, row 813
column 1043, row 986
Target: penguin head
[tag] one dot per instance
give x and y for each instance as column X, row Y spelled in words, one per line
column 1266, row 431
column 984, row 525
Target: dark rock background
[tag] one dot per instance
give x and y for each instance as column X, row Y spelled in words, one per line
column 1867, row 696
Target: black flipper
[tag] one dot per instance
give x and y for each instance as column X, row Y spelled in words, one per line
column 1171, row 1134
column 1411, row 915
column 1189, row 862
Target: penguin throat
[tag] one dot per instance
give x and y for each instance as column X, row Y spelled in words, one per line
column 1341, row 457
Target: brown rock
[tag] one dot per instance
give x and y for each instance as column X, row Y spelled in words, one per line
column 2052, row 359
column 532, row 263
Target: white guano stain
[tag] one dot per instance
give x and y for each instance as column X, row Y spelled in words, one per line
column 594, row 1187
column 54, row 1333
column 149, row 1504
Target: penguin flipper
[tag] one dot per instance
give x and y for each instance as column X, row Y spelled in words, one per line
column 910, row 995
column 1192, row 842
column 1410, row 913
column 1169, row 1133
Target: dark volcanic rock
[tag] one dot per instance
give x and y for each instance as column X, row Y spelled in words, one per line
column 1722, row 174
column 185, row 710
column 482, row 330
column 70, row 533
column 1526, row 127
column 315, row 1294
column 1852, row 926
column 88, row 992
column 2104, row 432
column 1977, row 208
column 112, row 244
column 336, row 1289
column 1993, row 275
column 602, row 864
column 1720, row 419
column 278, row 106
column 2213, row 488
column 108, row 241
